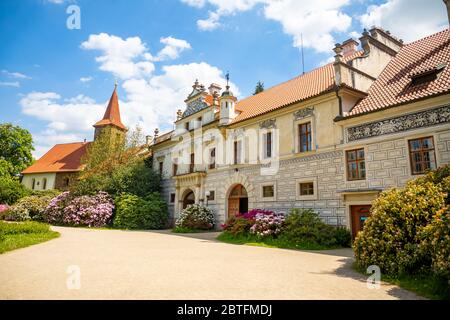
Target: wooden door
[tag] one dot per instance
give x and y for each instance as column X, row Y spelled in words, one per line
column 233, row 207
column 359, row 217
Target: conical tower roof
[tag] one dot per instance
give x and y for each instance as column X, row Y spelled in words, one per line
column 112, row 113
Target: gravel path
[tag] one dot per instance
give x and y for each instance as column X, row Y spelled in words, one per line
column 162, row 265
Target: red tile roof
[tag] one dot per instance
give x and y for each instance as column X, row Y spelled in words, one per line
column 393, row 87
column 305, row 86
column 60, row 158
column 112, row 113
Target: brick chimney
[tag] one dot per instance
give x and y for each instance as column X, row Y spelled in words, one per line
column 349, row 47
column 447, row 4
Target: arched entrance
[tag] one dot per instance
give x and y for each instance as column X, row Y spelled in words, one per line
column 188, row 199
column 237, row 201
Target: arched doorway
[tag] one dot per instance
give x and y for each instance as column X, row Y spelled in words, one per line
column 237, row 201
column 188, row 199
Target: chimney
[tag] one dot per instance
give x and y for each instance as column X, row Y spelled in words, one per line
column 349, row 47
column 214, row 89
column 447, row 4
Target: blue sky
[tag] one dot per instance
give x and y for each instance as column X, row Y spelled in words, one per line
column 56, row 82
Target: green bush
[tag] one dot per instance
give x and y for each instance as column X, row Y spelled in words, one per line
column 392, row 235
column 238, row 225
column 21, row 228
column 134, row 212
column 11, row 190
column 436, row 240
column 31, row 207
column 196, row 217
column 306, row 227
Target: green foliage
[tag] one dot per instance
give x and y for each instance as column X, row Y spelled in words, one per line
column 237, row 226
column 259, row 87
column 11, row 190
column 196, row 217
column 23, row 234
column 306, row 227
column 392, row 235
column 134, row 212
column 16, row 145
column 135, row 178
column 436, row 240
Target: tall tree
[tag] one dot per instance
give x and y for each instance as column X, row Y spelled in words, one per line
column 259, row 87
column 16, row 145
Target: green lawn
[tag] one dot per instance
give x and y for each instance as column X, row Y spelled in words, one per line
column 252, row 240
column 427, row 286
column 17, row 235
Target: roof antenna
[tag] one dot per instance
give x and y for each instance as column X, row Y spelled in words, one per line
column 303, row 56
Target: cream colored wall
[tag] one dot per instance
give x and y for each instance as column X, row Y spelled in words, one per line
column 39, row 178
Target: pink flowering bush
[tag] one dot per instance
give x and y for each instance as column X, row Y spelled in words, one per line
column 54, row 213
column 91, row 211
column 3, row 209
column 267, row 224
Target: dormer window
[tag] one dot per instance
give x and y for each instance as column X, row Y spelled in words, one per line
column 426, row 76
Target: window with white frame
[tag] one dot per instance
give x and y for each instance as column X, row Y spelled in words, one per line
column 268, row 192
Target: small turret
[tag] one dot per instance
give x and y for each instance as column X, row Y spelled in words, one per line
column 227, row 105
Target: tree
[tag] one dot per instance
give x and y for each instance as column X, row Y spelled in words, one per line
column 16, row 145
column 259, row 87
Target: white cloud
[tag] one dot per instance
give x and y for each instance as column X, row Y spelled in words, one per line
column 297, row 17
column 15, row 84
column 124, row 58
column 147, row 99
column 56, row 1
column 15, row 75
column 407, row 19
column 172, row 49
column 86, row 79
column 195, row 3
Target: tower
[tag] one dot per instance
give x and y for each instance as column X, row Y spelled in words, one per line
column 111, row 126
column 227, row 105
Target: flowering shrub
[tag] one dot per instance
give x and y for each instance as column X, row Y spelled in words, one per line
column 91, row 211
column 238, row 225
column 392, row 235
column 3, row 210
column 54, row 213
column 251, row 215
column 267, row 224
column 196, row 217
column 27, row 208
column 134, row 212
column 437, row 242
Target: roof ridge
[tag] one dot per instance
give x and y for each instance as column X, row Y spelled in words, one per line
column 427, row 37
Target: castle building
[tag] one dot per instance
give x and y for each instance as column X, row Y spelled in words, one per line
column 60, row 165
column 331, row 139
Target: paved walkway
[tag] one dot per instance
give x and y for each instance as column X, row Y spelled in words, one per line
column 161, row 265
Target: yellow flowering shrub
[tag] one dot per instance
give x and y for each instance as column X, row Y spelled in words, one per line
column 392, row 236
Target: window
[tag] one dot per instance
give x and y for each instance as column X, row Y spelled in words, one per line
column 172, row 198
column 356, row 165
column 212, row 158
column 66, row 182
column 199, row 122
column 192, row 164
column 307, row 189
column 186, row 126
column 268, row 191
column 44, row 184
column 212, row 196
column 33, row 183
column 237, row 151
column 421, row 152
column 161, row 167
column 175, row 168
column 304, row 137
column 267, row 140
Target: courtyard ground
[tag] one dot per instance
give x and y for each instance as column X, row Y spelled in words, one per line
column 162, row 265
